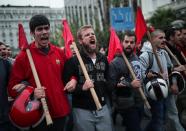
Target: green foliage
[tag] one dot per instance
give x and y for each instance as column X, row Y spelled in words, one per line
column 116, row 3
column 56, row 38
column 102, row 37
column 162, row 18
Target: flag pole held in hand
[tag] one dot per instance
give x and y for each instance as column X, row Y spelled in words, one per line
column 115, row 47
column 23, row 45
column 68, row 38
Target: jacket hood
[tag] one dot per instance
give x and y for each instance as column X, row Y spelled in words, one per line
column 146, row 47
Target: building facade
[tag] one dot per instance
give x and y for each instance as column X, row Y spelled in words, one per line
column 10, row 16
column 84, row 12
column 149, row 6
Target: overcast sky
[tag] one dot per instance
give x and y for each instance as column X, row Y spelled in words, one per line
column 51, row 3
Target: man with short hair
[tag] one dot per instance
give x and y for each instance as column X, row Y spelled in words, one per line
column 3, row 51
column 175, row 43
column 159, row 108
column 183, row 33
column 85, row 114
column 49, row 62
column 5, row 66
column 127, row 99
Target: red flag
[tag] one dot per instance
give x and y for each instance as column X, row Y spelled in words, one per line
column 141, row 27
column 114, row 45
column 68, row 38
column 23, row 43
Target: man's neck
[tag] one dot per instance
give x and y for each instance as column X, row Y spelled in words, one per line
column 92, row 55
column 41, row 47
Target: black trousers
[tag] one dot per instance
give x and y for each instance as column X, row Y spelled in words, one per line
column 58, row 125
column 8, row 126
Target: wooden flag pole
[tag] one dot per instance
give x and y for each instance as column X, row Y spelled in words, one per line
column 134, row 77
column 38, row 84
column 93, row 93
column 155, row 54
column 174, row 57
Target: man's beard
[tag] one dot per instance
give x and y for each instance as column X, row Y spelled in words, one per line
column 88, row 49
column 128, row 53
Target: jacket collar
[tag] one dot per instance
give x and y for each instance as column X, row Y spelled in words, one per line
column 33, row 46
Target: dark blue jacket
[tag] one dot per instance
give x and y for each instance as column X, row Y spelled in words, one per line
column 5, row 66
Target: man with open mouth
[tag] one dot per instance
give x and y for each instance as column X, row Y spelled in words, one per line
column 49, row 62
column 85, row 114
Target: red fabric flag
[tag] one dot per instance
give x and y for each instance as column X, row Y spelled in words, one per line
column 68, row 38
column 114, row 45
column 141, row 27
column 23, row 43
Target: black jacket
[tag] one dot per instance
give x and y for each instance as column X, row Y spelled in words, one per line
column 98, row 72
column 5, row 66
column 118, row 69
column 176, row 52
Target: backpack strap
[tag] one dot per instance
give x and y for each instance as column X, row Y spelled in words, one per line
column 150, row 55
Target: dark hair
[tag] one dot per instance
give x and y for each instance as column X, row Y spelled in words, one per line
column 171, row 31
column 184, row 26
column 129, row 33
column 38, row 20
column 1, row 43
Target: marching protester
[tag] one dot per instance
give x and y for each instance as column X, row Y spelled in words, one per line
column 3, row 50
column 151, row 70
column 173, row 37
column 127, row 99
column 157, row 107
column 5, row 67
column 183, row 33
column 49, row 62
column 69, row 122
column 85, row 114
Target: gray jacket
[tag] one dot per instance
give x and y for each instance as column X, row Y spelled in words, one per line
column 163, row 56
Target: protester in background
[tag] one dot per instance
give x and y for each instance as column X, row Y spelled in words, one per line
column 49, row 61
column 85, row 114
column 183, row 33
column 3, row 51
column 172, row 36
column 174, row 43
column 127, row 100
column 69, row 123
column 5, row 66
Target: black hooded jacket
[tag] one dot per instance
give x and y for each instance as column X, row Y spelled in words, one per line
column 98, row 72
column 5, row 66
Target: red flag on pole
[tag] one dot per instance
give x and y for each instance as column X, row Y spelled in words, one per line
column 68, row 38
column 141, row 27
column 23, row 43
column 114, row 45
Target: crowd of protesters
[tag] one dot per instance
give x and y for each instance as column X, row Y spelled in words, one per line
column 67, row 91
